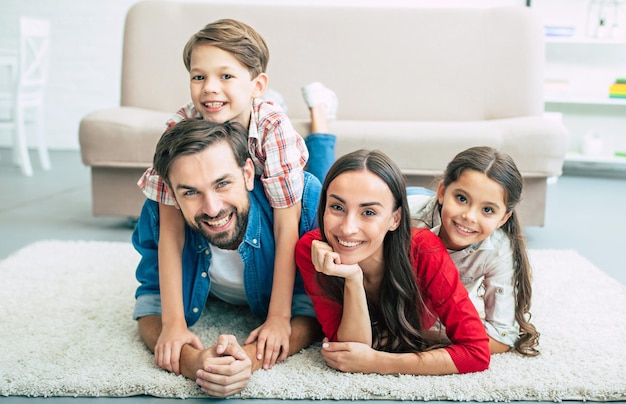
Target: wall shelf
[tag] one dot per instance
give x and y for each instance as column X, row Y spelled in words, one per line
column 584, row 100
column 578, row 73
column 600, row 165
column 584, row 41
column 601, row 159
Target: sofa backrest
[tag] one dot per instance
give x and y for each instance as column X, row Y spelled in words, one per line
column 400, row 64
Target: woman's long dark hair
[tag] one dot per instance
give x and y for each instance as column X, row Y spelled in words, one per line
column 396, row 322
column 501, row 168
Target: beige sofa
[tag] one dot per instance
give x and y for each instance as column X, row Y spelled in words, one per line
column 420, row 84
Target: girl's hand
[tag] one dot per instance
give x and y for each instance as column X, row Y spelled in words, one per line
column 169, row 345
column 349, row 356
column 328, row 262
column 272, row 340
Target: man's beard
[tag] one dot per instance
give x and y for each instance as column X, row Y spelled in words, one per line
column 229, row 240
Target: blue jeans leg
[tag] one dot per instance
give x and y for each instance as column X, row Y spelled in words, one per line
column 419, row 191
column 321, row 153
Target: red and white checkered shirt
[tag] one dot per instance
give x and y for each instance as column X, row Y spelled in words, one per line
column 277, row 150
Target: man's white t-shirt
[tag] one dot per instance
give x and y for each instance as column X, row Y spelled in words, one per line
column 226, row 276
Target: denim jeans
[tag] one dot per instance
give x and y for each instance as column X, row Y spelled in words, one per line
column 321, row 153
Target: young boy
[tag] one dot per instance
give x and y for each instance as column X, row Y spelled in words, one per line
column 227, row 61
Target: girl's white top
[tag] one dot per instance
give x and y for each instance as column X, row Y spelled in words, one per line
column 486, row 270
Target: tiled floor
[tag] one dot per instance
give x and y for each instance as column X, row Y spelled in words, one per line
column 583, row 213
column 52, row 204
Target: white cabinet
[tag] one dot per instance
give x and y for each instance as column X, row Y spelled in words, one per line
column 578, row 73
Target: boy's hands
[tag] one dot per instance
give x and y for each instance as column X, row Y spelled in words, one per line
column 169, row 345
column 272, row 339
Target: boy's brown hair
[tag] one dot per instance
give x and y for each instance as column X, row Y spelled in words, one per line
column 236, row 38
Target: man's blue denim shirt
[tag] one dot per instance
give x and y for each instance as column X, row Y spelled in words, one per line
column 257, row 252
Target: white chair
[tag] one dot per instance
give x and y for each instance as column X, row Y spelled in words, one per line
column 26, row 92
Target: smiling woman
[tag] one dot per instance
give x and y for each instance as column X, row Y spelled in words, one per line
column 381, row 290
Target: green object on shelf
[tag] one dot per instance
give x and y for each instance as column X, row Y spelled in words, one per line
column 620, row 154
column 620, row 80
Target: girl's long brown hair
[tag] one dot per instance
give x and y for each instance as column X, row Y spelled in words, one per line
column 501, row 168
column 396, row 322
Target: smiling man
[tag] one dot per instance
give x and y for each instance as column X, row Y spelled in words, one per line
column 229, row 248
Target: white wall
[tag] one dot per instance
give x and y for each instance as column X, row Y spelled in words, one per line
column 85, row 63
column 86, row 50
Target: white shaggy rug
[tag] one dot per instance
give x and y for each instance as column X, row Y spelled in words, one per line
column 66, row 330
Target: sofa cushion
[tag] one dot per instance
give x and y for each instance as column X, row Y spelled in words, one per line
column 423, row 148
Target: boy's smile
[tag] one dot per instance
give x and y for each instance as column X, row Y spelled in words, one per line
column 221, row 87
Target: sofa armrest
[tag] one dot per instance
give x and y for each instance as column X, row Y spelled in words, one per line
column 537, row 144
column 121, row 137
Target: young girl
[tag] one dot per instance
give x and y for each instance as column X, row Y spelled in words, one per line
column 473, row 212
column 378, row 287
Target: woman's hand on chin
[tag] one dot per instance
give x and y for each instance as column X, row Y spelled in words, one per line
column 328, row 262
